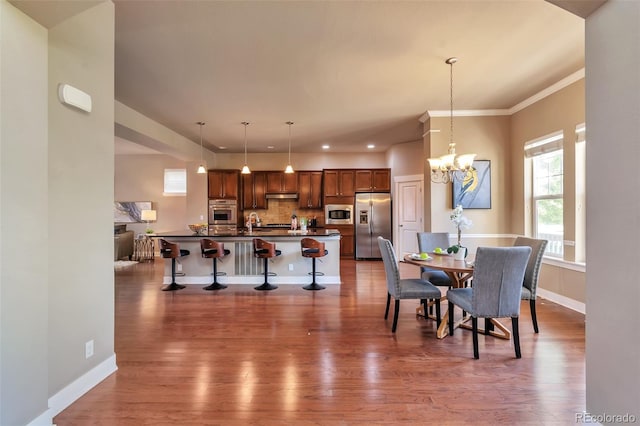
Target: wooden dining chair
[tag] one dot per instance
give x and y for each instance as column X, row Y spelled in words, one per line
column 408, row 288
column 497, row 283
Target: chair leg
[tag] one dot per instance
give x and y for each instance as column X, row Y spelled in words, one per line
column 534, row 318
column 488, row 326
column 450, row 319
column 266, row 285
column 215, row 285
column 438, row 319
column 314, row 285
column 474, row 325
column 516, row 336
column 174, row 285
column 395, row 316
column 386, row 311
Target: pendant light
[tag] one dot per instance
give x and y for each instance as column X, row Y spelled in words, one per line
column 201, row 167
column 245, row 169
column 451, row 166
column 289, row 169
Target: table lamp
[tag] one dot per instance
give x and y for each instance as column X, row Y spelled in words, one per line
column 148, row 216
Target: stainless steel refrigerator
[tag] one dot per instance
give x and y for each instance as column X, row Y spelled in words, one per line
column 372, row 219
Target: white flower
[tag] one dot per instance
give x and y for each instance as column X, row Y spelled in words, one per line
column 461, row 222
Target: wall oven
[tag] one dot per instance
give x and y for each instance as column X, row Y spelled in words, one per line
column 223, row 212
column 338, row 214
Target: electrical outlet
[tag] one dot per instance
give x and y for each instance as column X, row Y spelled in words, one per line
column 179, row 267
column 88, row 349
column 201, row 217
column 291, row 266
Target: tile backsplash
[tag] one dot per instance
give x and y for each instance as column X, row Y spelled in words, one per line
column 280, row 211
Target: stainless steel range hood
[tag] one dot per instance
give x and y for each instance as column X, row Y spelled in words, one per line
column 291, row 196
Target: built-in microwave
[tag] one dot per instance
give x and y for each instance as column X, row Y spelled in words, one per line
column 338, row 214
column 223, row 212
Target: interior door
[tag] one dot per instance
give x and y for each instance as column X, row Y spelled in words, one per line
column 409, row 212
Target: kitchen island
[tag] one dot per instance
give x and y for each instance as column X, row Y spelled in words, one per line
column 241, row 267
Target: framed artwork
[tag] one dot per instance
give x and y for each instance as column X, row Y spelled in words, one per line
column 129, row 211
column 474, row 191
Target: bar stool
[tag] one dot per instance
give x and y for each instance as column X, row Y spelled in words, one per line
column 172, row 251
column 313, row 249
column 265, row 250
column 213, row 250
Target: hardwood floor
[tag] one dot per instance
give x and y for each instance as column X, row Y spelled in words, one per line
column 290, row 356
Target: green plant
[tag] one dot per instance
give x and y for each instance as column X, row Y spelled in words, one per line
column 149, row 231
column 453, row 249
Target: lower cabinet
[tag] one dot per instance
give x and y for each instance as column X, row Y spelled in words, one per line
column 347, row 240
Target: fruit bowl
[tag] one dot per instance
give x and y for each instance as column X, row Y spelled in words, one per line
column 198, row 228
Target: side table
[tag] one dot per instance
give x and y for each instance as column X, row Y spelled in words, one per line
column 143, row 248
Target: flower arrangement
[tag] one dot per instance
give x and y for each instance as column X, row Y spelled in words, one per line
column 461, row 222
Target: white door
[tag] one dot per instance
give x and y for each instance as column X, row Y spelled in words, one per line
column 409, row 213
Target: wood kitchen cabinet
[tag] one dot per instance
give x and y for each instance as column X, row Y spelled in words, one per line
column 254, row 189
column 224, row 184
column 310, row 190
column 347, row 240
column 373, row 180
column 339, row 186
column 282, row 183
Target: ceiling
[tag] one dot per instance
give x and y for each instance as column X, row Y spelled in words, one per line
column 346, row 73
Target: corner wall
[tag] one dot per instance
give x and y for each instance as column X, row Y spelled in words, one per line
column 613, row 203
column 24, row 282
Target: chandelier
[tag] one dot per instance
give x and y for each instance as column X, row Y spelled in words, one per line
column 451, row 166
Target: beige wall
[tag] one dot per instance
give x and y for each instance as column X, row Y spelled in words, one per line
column 81, row 156
column 56, row 177
column 613, row 202
column 302, row 161
column 24, row 281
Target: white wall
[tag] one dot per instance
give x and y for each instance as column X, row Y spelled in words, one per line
column 613, row 206
column 24, row 282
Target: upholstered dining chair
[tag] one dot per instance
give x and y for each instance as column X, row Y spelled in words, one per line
column 530, row 283
column 408, row 288
column 497, row 281
column 427, row 241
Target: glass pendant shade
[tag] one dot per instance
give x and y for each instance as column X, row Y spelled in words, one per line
column 289, row 168
column 201, row 168
column 245, row 169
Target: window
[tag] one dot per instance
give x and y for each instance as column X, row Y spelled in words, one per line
column 546, row 157
column 175, row 182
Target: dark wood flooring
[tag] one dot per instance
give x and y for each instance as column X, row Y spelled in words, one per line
column 295, row 357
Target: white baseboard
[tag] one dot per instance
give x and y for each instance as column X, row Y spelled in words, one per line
column 562, row 300
column 70, row 393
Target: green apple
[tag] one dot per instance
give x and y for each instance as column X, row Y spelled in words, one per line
column 437, row 250
column 424, row 256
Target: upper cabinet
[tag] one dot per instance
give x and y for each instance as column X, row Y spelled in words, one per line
column 339, row 183
column 310, row 190
column 224, row 184
column 373, row 180
column 282, row 183
column 254, row 189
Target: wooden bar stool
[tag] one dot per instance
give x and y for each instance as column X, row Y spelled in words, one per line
column 265, row 250
column 214, row 250
column 172, row 251
column 313, row 249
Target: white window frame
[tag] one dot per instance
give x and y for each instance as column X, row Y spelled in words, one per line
column 537, row 147
column 175, row 183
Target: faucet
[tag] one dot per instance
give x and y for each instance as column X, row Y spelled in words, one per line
column 249, row 226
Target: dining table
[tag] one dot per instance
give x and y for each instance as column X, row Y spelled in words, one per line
column 460, row 272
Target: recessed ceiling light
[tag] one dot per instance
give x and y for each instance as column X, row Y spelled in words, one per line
column 270, row 147
column 222, row 147
column 371, row 146
column 325, row 147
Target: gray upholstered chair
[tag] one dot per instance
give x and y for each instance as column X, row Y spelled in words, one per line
column 427, row 241
column 409, row 288
column 497, row 283
column 530, row 283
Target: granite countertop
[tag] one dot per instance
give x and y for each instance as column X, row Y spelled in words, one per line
column 261, row 232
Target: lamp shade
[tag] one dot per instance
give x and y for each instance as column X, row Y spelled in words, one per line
column 148, row 215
